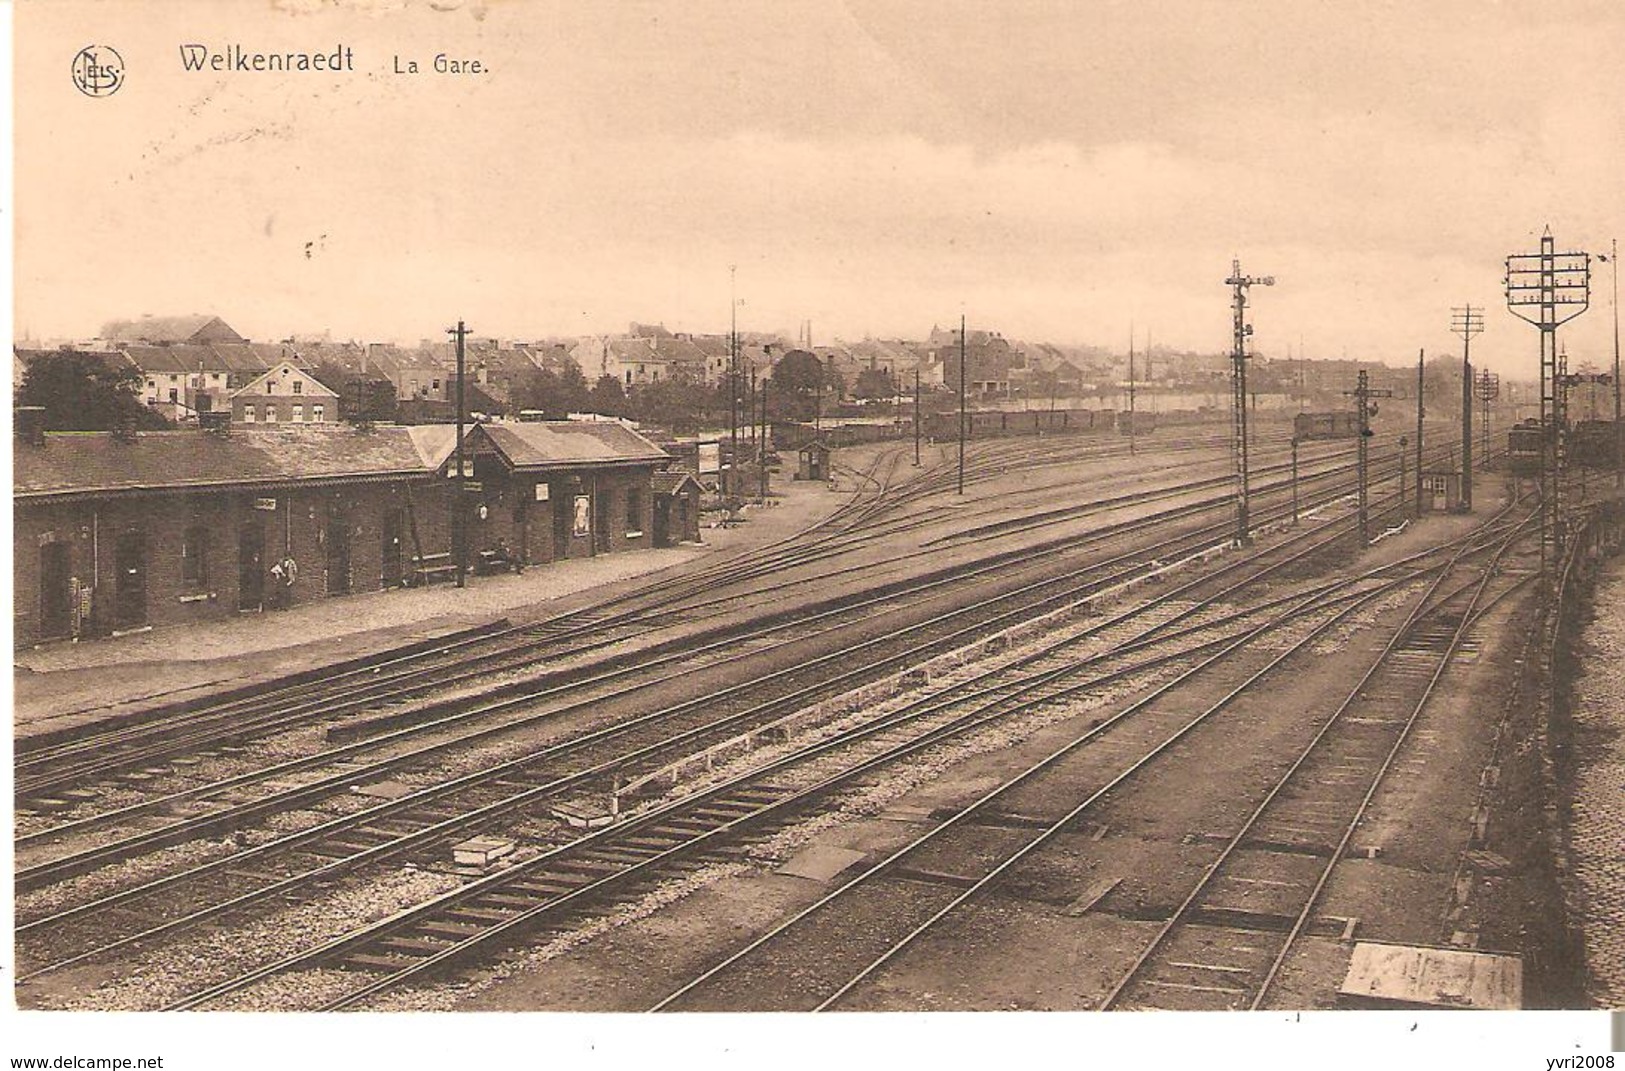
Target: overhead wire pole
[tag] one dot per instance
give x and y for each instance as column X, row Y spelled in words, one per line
column 1364, row 410
column 1466, row 321
column 1131, row 387
column 732, row 486
column 1538, row 286
column 1619, row 428
column 961, row 484
column 916, row 416
column 459, row 528
column 1488, row 387
column 1421, row 410
column 1238, row 375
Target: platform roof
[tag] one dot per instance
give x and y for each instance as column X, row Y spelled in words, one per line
column 92, row 464
column 569, row 444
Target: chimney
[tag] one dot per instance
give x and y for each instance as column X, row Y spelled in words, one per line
column 28, row 424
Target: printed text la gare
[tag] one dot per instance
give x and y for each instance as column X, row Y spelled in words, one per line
column 442, row 64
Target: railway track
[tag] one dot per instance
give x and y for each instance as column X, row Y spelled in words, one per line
column 459, row 805
column 1123, row 652
column 143, row 742
column 500, row 702
column 823, row 955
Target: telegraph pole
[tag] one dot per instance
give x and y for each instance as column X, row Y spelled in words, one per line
column 1548, row 289
column 1365, row 411
column 733, row 385
column 916, row 415
column 1131, row 387
column 1239, row 284
column 1466, row 321
column 1619, row 428
column 761, row 451
column 1489, row 388
column 459, row 541
column 1421, row 357
column 961, row 486
column 1294, row 481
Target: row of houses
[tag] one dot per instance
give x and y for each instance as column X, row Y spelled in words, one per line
column 197, row 363
column 116, row 532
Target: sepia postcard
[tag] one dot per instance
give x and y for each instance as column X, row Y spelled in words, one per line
column 1084, row 531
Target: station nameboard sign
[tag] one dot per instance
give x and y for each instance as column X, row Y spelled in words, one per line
column 267, row 504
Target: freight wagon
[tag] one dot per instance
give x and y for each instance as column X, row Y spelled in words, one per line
column 1526, row 447
column 1141, row 423
column 997, row 424
column 1339, row 425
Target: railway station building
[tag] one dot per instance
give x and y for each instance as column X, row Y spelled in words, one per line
column 558, row 489
column 117, row 532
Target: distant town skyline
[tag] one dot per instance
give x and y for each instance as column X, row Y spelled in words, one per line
column 1053, row 172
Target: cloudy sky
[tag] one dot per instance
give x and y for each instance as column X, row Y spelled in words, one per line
column 1052, row 170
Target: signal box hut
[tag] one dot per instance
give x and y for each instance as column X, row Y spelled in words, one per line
column 676, row 507
column 1441, row 490
column 814, row 461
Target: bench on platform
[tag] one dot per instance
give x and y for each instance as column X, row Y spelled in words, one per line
column 427, row 568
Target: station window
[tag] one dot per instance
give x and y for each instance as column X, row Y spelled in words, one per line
column 195, row 556
column 298, row 412
column 298, row 386
column 268, row 387
column 270, row 414
column 316, row 412
column 634, row 510
column 248, row 414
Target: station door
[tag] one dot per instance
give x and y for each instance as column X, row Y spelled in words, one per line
column 562, row 521
column 663, row 521
column 56, row 591
column 251, row 567
column 130, row 582
column 338, row 555
column 394, row 527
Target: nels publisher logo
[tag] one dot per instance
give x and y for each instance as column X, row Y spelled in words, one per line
column 98, row 71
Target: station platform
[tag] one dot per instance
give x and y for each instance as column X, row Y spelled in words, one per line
column 60, row 684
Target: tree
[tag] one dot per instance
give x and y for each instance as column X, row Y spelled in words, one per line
column 798, row 380
column 554, row 393
column 86, row 391
column 607, row 397
column 875, row 383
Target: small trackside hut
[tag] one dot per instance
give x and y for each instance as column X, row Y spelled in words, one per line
column 813, row 461
column 676, row 507
column 1441, row 490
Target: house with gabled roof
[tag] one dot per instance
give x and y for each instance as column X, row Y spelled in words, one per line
column 165, row 330
column 285, row 394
